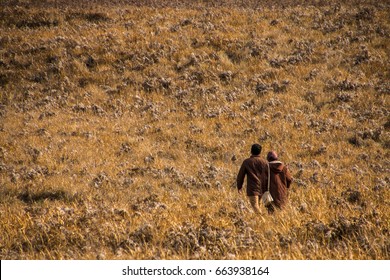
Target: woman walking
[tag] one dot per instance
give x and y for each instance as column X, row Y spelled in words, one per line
column 280, row 181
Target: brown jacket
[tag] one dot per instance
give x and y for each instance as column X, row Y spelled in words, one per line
column 280, row 181
column 254, row 168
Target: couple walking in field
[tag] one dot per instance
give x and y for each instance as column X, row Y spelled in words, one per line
column 262, row 176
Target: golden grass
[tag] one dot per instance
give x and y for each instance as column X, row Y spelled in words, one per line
column 118, row 125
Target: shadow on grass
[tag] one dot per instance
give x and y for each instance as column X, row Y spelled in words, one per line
column 28, row 196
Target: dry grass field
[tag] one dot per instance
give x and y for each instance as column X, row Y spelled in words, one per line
column 123, row 125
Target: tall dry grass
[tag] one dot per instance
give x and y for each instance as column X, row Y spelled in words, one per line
column 123, row 127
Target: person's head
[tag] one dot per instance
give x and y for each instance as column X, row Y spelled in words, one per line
column 256, row 149
column 272, row 155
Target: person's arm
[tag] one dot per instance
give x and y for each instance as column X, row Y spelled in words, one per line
column 288, row 176
column 241, row 177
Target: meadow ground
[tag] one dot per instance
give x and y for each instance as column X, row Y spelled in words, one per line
column 123, row 125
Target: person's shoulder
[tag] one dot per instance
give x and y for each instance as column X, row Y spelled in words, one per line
column 285, row 168
column 277, row 166
column 259, row 160
column 245, row 161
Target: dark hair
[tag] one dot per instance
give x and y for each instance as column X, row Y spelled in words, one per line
column 256, row 149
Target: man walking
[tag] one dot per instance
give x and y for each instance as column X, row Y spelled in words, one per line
column 254, row 168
